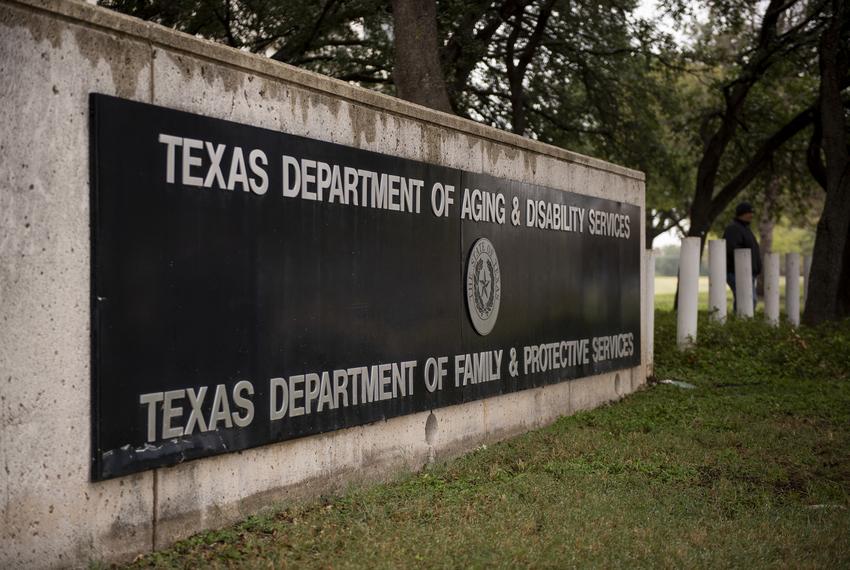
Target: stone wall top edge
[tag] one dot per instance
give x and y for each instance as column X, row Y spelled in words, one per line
column 86, row 14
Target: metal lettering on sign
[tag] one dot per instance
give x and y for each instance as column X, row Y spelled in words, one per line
column 251, row 286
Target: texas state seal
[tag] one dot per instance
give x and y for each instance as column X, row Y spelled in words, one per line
column 483, row 286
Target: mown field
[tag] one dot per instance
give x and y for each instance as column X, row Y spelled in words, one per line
column 750, row 468
column 665, row 294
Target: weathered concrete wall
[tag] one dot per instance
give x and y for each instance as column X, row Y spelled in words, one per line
column 52, row 55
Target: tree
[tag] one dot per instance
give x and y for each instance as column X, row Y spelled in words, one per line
column 467, row 28
column 829, row 159
column 595, row 80
column 586, row 76
column 518, row 56
column 346, row 39
column 785, row 31
column 417, row 73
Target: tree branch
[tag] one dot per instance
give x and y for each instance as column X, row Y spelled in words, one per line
column 759, row 159
column 814, row 160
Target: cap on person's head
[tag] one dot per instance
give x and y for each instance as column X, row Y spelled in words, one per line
column 743, row 208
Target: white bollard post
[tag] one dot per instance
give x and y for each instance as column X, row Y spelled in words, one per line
column 649, row 270
column 717, row 280
column 744, row 282
column 686, row 317
column 807, row 268
column 792, row 288
column 771, row 288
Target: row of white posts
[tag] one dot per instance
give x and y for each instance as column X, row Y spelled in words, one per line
column 686, row 330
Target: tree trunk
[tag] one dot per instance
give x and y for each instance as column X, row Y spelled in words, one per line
column 828, row 262
column 417, row 74
column 844, row 281
column 829, row 270
column 517, row 105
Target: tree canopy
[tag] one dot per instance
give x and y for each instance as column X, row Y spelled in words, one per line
column 713, row 100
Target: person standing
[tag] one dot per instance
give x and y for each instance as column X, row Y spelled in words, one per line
column 738, row 236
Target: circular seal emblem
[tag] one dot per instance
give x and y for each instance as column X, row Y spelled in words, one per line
column 483, row 286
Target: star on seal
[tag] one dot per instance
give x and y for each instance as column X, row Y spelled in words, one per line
column 483, row 286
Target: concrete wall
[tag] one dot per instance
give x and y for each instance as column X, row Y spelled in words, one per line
column 52, row 54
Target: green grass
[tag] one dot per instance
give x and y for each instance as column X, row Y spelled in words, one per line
column 749, row 469
column 665, row 294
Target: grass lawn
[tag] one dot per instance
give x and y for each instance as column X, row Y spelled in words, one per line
column 751, row 468
column 665, row 294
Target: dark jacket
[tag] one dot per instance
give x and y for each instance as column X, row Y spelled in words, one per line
column 738, row 235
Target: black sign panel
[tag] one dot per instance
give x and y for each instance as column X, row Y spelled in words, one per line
column 251, row 286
